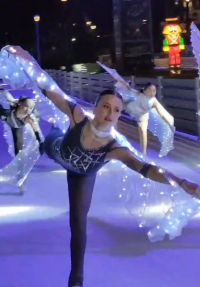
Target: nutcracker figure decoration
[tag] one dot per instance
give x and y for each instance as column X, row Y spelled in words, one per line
column 173, row 44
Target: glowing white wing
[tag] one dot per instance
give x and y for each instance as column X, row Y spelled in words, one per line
column 114, row 74
column 195, row 41
column 122, row 87
column 161, row 129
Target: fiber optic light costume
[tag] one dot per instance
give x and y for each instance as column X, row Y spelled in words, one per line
column 195, row 41
column 173, row 44
column 138, row 106
column 138, row 192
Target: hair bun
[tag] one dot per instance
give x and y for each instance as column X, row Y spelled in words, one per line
column 146, row 86
column 22, row 98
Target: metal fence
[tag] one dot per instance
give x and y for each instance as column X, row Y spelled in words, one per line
column 181, row 97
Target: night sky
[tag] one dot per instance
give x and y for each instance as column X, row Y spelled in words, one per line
column 17, row 15
column 56, row 28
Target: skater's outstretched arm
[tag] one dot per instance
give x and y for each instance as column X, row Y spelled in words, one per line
column 65, row 105
column 151, row 171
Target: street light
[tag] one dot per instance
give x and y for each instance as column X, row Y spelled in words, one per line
column 37, row 20
column 93, row 27
column 73, row 39
column 63, row 0
column 88, row 23
column 187, row 15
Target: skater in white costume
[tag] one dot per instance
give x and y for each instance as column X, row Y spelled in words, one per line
column 147, row 111
column 140, row 108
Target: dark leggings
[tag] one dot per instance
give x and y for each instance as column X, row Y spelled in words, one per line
column 80, row 195
column 17, row 139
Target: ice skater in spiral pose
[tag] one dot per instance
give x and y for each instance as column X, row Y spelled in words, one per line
column 88, row 145
column 20, row 113
column 82, row 151
column 20, row 122
column 139, row 109
column 147, row 111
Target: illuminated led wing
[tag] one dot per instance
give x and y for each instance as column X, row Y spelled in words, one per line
column 28, row 137
column 122, row 87
column 114, row 74
column 49, row 112
column 9, row 139
column 195, row 41
column 10, row 69
column 3, row 100
column 28, row 75
column 162, row 130
column 14, row 174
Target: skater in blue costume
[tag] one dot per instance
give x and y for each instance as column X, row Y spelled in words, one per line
column 86, row 146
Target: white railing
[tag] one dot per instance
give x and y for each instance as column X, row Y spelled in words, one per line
column 186, row 63
column 180, row 96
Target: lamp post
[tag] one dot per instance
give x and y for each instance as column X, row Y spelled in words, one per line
column 37, row 20
column 187, row 11
column 93, row 27
column 187, row 21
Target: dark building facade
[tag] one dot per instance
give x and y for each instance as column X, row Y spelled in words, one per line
column 133, row 33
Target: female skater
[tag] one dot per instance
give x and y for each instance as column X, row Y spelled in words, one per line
column 147, row 111
column 139, row 109
column 21, row 131
column 83, row 150
column 21, row 113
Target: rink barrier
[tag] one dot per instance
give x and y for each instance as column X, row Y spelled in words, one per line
column 186, row 147
column 180, row 96
column 186, row 63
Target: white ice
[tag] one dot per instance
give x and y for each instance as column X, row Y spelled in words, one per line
column 34, row 235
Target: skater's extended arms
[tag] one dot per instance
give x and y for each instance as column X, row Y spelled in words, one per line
column 128, row 158
column 64, row 104
column 151, row 171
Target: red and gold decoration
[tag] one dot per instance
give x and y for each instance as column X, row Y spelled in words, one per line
column 173, row 44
